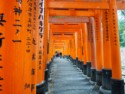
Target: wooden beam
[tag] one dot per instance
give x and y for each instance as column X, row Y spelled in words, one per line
column 63, row 38
column 54, row 12
column 66, row 30
column 84, row 5
column 78, row 5
column 120, row 5
column 62, row 20
column 58, row 41
column 65, row 26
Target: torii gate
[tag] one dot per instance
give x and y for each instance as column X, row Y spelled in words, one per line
column 97, row 10
column 25, row 37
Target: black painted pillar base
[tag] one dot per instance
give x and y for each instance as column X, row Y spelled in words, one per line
column 81, row 65
column 117, row 86
column 73, row 61
column 88, row 69
column 104, row 91
column 40, row 88
column 76, row 61
column 106, row 81
column 93, row 74
column 46, row 79
column 69, row 56
column 99, row 78
column 52, row 59
column 78, row 64
column 48, row 67
column 84, row 69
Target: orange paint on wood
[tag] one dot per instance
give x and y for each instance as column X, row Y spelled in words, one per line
column 85, row 43
column 106, row 40
column 115, row 44
column 98, row 40
column 92, row 39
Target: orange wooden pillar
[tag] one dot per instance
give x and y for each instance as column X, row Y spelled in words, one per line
column 50, row 45
column 82, row 45
column 73, row 46
column 117, row 84
column 45, row 33
column 93, row 55
column 79, row 45
column 23, row 26
column 35, row 47
column 8, row 58
column 73, row 41
column 107, row 67
column 14, row 56
column 51, row 48
column 41, row 84
column 45, row 42
column 99, row 47
column 88, row 67
column 13, row 61
column 68, row 45
column 2, row 46
column 53, row 53
column 85, row 47
column 19, row 51
column 28, row 27
column 82, row 48
column 76, row 46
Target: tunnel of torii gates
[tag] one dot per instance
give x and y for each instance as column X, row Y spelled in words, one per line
column 32, row 30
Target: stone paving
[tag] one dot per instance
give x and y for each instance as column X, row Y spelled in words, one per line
column 68, row 79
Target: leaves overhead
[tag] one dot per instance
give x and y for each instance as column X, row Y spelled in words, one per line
column 121, row 22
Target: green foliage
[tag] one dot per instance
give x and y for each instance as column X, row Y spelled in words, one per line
column 121, row 22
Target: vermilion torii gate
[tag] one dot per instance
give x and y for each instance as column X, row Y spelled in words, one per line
column 105, row 51
column 26, row 42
